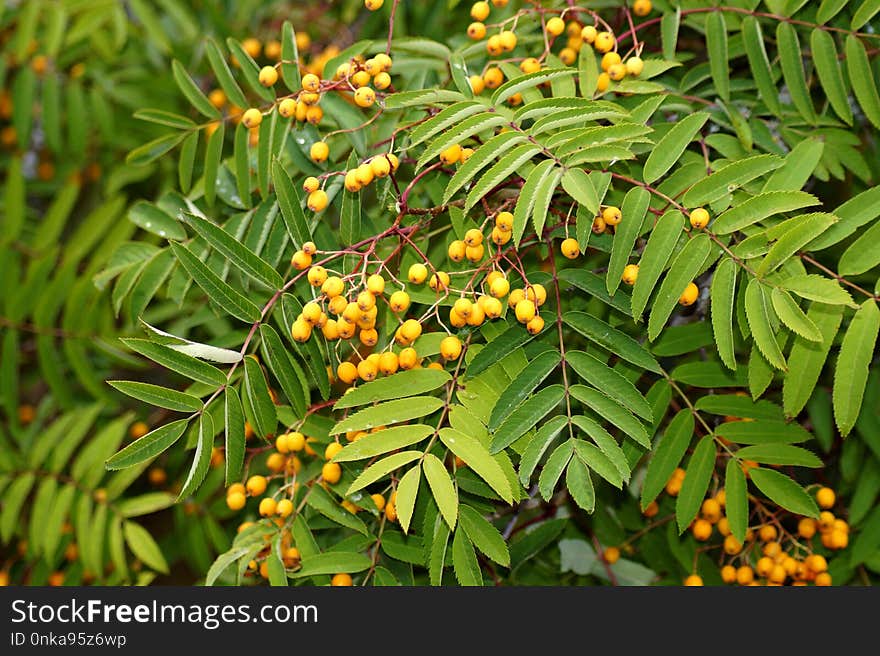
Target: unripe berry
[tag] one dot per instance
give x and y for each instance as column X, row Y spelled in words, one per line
column 476, row 30
column 317, row 200
column 408, row 358
column 630, row 274
column 555, row 26
column 331, row 472
column 256, row 485
column 825, row 497
column 365, row 97
column 235, row 500
column 399, row 301
column 311, row 82
column 347, row 372
column 635, row 66
column 604, row 42
column 689, row 295
column 268, row 76
column 417, row 273
column 252, row 117
column 525, row 311
column 456, row 250
column 611, row 215
column 530, row 65
column 699, row 218
column 480, row 10
column 451, row 155
column 319, row 152
column 388, row 363
column 642, row 7
column 493, row 78
column 570, row 248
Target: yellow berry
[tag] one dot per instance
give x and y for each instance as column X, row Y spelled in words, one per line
column 331, row 472
column 256, row 485
column 604, row 42
column 317, row 200
column 284, row 508
column 525, row 311
column 699, row 218
column 588, row 33
column 630, row 274
column 609, row 60
column 235, row 500
column 493, row 78
column 450, row 348
column 635, row 66
column 268, row 76
column 508, row 40
column 476, row 30
column 555, row 26
column 641, row 7
column 252, row 117
column 268, row 507
column 477, row 84
column 611, row 555
column 417, row 273
column 451, row 155
column 570, row 248
column 399, row 301
column 693, row 581
column 689, row 295
column 611, row 215
column 480, row 10
column 365, row 97
column 373, row 5
column 825, row 497
column 530, row 65
column 311, row 82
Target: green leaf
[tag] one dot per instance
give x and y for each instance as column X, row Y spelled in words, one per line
column 144, row 546
column 442, row 488
column 806, row 228
column 667, row 455
column 634, row 208
column 779, row 454
column 382, row 468
column 149, row 152
column 291, row 206
column 275, row 566
column 444, row 119
column 761, row 318
column 825, row 59
column 527, row 81
column 757, row 208
column 578, row 185
column 672, row 145
column 400, row 385
column 611, row 339
column 511, row 339
column 508, row 164
column 753, row 41
column 737, row 502
column 791, row 59
column 735, row 405
column 220, row 292
column 324, row 503
column 480, row 159
column 145, row 504
column 799, row 165
column 148, row 446
column 790, row 313
column 861, row 255
column 815, row 287
column 201, row 458
column 695, row 483
column 661, row 243
column 579, row 484
column 384, row 441
column 607, row 444
column 610, row 410
column 478, row 459
column 553, row 468
column 762, row 431
column 526, row 416
column 729, row 178
column 464, row 560
column 158, row 396
column 781, row 489
column 866, row 11
column 332, row 562
column 591, row 283
column 250, row 70
column 669, row 25
column 684, row 268
column 407, row 489
column 854, row 213
column 13, row 500
column 178, row 362
column 543, row 198
column 723, row 296
column 256, row 398
column 213, row 153
column 522, row 386
column 233, row 416
column 290, row 58
column 285, row 369
column 538, row 446
column 861, row 76
column 716, row 46
column 484, row 536
column 465, row 129
column 525, row 204
column 192, row 92
column 610, row 382
column 851, row 370
column 866, row 542
column 224, row 74
column 807, row 359
column 186, row 161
